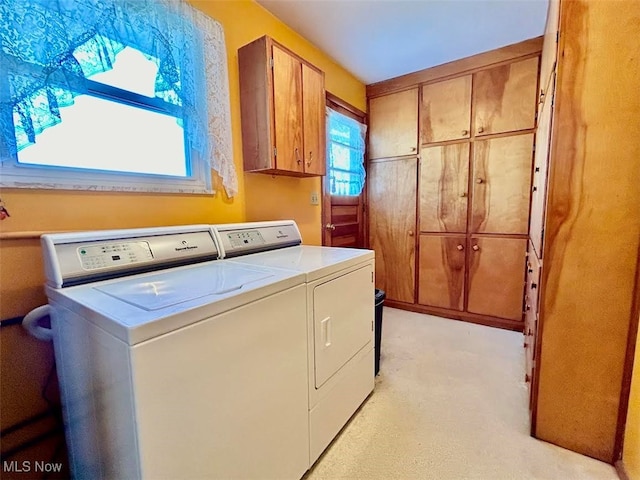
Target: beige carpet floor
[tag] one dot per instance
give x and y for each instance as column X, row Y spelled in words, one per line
column 450, row 403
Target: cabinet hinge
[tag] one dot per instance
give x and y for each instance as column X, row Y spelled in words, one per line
column 372, row 325
column 371, row 277
column 271, row 62
column 557, row 36
column 275, row 152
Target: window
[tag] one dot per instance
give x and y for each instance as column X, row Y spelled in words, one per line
column 112, row 95
column 345, row 152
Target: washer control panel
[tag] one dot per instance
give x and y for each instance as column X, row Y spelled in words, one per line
column 105, row 255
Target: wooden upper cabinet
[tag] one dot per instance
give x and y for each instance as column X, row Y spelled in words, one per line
column 313, row 116
column 444, row 173
column 282, row 106
column 392, row 220
column 393, row 125
column 496, row 276
column 445, row 112
column 505, row 97
column 501, row 180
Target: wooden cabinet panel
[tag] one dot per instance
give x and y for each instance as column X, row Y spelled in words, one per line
column 313, row 121
column 441, row 273
column 496, row 276
column 445, row 113
column 287, row 104
column 392, row 217
column 501, row 185
column 444, row 173
column 505, row 97
column 393, row 125
column 282, row 102
column 540, row 169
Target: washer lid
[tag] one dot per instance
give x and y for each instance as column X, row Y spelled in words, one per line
column 160, row 290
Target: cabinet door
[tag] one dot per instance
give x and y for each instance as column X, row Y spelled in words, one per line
column 505, row 97
column 444, row 173
column 392, row 217
column 502, row 184
column 441, row 271
column 445, row 112
column 496, row 276
column 313, row 121
column 540, row 169
column 287, row 105
column 393, row 124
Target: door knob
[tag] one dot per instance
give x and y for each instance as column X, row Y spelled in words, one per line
column 479, row 181
column 330, row 226
column 411, row 233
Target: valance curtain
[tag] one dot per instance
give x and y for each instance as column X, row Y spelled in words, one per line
column 346, row 146
column 50, row 47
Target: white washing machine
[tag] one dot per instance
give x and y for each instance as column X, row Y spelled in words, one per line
column 195, row 368
column 340, row 316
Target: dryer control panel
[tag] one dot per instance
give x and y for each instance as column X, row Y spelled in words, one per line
column 244, row 238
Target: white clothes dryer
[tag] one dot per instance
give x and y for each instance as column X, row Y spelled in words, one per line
column 340, row 316
column 173, row 364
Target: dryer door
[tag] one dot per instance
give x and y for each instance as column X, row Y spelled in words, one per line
column 343, row 313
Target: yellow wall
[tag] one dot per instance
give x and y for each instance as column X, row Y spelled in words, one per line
column 261, row 197
column 267, row 197
column 631, row 448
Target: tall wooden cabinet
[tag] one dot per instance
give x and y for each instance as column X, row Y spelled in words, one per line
column 474, row 134
column 282, row 102
column 585, row 227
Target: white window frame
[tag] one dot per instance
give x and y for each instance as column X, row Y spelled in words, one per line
column 16, row 175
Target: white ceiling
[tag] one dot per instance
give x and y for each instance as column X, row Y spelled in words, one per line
column 380, row 39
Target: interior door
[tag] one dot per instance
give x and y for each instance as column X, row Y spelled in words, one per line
column 392, row 220
column 287, row 104
column 343, row 216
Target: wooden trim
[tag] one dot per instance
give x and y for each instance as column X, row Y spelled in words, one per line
column 466, row 65
column 345, row 108
column 393, row 159
column 506, row 324
column 621, row 470
column 627, row 372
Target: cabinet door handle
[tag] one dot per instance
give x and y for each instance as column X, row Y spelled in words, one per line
column 480, row 129
column 463, row 194
column 479, row 180
column 465, row 132
column 298, row 159
column 460, row 247
column 411, row 233
column 475, row 248
column 414, row 149
column 310, row 158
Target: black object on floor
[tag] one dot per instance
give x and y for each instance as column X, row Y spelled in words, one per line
column 379, row 302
